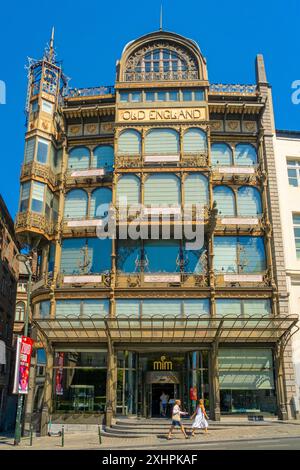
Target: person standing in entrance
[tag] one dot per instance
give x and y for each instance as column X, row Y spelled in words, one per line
column 201, row 418
column 163, row 403
column 176, row 419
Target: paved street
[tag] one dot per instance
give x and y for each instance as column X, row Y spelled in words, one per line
column 269, row 435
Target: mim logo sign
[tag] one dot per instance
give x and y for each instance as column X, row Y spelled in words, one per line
column 2, row 92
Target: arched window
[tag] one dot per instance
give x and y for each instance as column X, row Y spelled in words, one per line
column 162, row 189
column 76, row 203
column 79, row 158
column 162, row 141
column 245, row 155
column 196, row 189
column 224, row 198
column 103, row 157
column 221, row 155
column 249, row 201
column 194, row 141
column 167, row 62
column 20, row 311
column 129, row 142
column 100, row 200
column 128, row 189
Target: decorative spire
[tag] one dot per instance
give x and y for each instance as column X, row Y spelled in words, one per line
column 161, row 18
column 50, row 54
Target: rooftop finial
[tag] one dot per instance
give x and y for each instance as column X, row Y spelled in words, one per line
column 161, row 18
column 51, row 46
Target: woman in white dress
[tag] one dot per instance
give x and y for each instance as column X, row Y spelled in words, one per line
column 201, row 418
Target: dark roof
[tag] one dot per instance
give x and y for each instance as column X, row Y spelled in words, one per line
column 4, row 212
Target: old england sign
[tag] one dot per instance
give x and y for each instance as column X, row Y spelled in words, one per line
column 162, row 114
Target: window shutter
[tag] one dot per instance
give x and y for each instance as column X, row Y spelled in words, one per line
column 100, row 197
column 196, row 190
column 224, row 198
column 129, row 142
column 162, row 141
column 162, row 189
column 245, row 155
column 196, row 307
column 68, row 308
column 103, row 157
column 79, row 158
column 221, row 155
column 249, row 201
column 167, row 307
column 76, row 204
column 128, row 308
column 225, row 259
column 194, row 141
column 128, row 187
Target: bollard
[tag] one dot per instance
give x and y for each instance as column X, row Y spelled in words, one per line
column 31, row 435
column 63, row 436
column 99, row 434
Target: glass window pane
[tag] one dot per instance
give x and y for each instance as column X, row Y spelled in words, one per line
column 161, row 96
column 291, row 162
column 173, row 95
column 296, row 219
column 150, row 96
column 292, row 172
column 42, row 151
column 124, row 96
column 293, row 182
column 198, row 95
column 47, row 107
column 187, row 95
column 136, row 96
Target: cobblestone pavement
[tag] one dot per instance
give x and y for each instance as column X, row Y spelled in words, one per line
column 90, row 440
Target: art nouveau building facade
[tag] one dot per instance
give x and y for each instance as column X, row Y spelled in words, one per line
column 123, row 318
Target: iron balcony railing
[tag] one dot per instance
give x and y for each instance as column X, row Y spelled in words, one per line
column 91, row 91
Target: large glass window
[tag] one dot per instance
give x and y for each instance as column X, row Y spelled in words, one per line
column 293, row 167
column 37, row 198
column 243, row 307
column 129, row 142
column 76, row 203
column 162, row 141
column 25, row 194
column 224, row 197
column 194, row 141
column 103, row 157
column 296, row 223
column 128, row 190
column 20, row 311
column 246, row 380
column 100, row 201
column 85, row 255
column 245, row 155
column 42, row 151
column 79, row 158
column 162, row 189
column 79, row 380
column 29, row 150
column 239, row 255
column 162, row 255
column 221, row 155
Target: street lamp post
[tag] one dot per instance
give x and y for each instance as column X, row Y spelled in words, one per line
column 18, row 428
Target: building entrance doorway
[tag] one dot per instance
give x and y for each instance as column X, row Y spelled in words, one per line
column 157, row 390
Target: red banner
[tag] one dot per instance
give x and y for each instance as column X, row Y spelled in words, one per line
column 193, row 393
column 59, row 374
column 23, row 358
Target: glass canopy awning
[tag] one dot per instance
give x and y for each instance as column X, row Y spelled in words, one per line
column 194, row 329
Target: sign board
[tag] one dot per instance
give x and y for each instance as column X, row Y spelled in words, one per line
column 161, row 158
column 93, row 172
column 85, row 223
column 235, row 170
column 82, row 279
column 162, row 278
column 162, row 114
column 22, row 367
column 243, row 277
column 239, row 221
column 165, row 377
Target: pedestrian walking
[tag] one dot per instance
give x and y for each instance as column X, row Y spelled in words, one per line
column 200, row 421
column 176, row 419
column 163, row 404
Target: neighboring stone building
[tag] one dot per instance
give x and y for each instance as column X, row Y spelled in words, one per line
column 8, row 284
column 123, row 319
column 287, row 145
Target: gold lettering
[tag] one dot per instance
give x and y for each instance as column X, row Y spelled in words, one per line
column 197, row 114
column 126, row 115
column 141, row 115
column 159, row 114
column 167, row 114
column 189, row 113
column 157, row 365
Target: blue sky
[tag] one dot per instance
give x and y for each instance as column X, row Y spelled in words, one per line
column 91, row 34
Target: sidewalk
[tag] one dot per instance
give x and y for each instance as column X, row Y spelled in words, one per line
column 90, row 440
